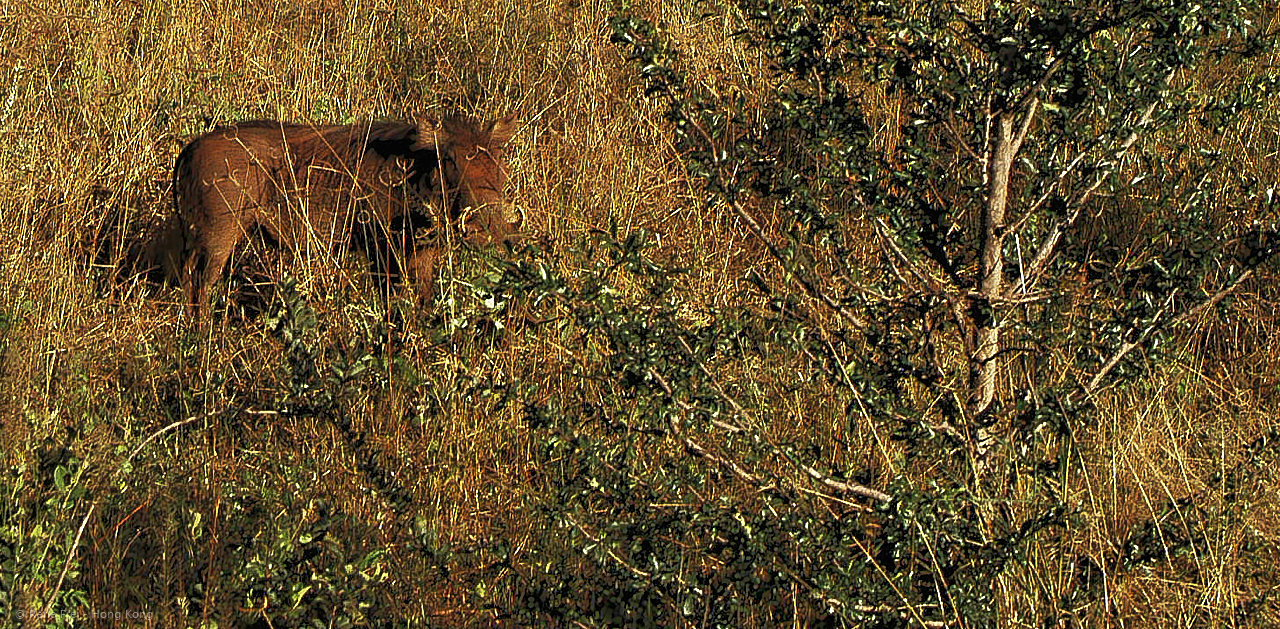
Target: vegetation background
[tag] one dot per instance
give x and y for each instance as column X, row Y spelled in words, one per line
column 291, row 484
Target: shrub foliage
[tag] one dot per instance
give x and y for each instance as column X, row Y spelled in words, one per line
column 1049, row 214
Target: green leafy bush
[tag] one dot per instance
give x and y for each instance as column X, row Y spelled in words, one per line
column 1047, row 217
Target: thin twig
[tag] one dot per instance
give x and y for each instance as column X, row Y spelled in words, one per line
column 883, row 231
column 774, row 250
column 808, row 286
column 698, row 449
column 1050, row 245
column 597, row 540
column 71, row 552
column 1096, row 382
column 825, row 479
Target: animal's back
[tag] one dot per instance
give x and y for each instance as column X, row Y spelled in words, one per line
column 228, row 169
column 294, row 180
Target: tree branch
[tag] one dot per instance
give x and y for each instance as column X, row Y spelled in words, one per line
column 1096, row 382
column 739, row 471
column 1044, row 254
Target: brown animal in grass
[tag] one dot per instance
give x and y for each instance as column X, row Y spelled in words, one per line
column 322, row 189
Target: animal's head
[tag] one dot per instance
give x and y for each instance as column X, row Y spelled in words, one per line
column 470, row 155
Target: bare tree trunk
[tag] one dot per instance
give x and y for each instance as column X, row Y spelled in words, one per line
column 983, row 366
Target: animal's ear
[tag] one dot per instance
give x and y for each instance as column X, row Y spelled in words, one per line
column 502, row 130
column 430, row 135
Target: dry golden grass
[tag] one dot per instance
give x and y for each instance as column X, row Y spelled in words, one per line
column 97, row 97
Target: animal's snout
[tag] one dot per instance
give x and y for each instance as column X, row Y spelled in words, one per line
column 492, row 224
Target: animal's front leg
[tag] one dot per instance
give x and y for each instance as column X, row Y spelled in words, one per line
column 422, row 267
